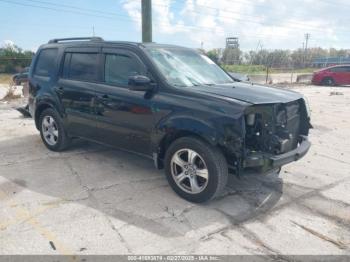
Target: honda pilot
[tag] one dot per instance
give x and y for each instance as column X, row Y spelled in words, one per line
column 169, row 103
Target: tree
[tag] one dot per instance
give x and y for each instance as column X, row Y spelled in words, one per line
column 13, row 58
column 214, row 55
column 232, row 56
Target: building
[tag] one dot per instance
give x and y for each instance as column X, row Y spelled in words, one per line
column 330, row 61
column 232, row 42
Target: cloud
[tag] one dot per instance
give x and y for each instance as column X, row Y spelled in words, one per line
column 162, row 15
column 133, row 9
column 8, row 43
column 276, row 24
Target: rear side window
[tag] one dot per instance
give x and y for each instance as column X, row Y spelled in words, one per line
column 81, row 66
column 339, row 69
column 46, row 64
column 119, row 67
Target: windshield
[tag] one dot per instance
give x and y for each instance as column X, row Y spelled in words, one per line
column 186, row 67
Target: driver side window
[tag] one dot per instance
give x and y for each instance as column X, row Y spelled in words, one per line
column 119, row 67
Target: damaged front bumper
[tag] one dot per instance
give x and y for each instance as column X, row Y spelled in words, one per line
column 258, row 159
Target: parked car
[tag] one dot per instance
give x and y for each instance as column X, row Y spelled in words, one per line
column 169, row 103
column 22, row 77
column 334, row 75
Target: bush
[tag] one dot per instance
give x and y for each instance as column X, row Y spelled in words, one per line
column 12, row 58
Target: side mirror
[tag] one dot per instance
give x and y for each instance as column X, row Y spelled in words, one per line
column 139, row 83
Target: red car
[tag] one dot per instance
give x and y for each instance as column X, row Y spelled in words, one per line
column 330, row 76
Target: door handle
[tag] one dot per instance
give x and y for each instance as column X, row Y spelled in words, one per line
column 104, row 96
column 60, row 90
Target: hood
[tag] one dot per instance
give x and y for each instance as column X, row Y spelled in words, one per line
column 251, row 93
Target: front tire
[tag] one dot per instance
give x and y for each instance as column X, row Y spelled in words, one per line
column 196, row 170
column 52, row 131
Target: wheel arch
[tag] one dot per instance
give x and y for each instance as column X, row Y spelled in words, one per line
column 324, row 79
column 203, row 132
column 40, row 107
column 226, row 140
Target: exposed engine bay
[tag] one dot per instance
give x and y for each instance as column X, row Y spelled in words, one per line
column 275, row 128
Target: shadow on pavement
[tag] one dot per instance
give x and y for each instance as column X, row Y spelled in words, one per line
column 125, row 187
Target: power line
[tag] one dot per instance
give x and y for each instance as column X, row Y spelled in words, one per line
column 14, row 58
column 293, row 26
column 199, row 28
column 267, row 5
column 106, row 17
column 60, row 10
column 110, row 15
column 88, row 13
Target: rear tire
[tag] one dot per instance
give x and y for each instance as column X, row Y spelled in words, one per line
column 328, row 81
column 196, row 170
column 52, row 131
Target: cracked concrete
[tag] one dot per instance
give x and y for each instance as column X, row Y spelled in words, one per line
column 96, row 200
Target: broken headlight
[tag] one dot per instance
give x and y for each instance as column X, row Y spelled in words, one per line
column 307, row 106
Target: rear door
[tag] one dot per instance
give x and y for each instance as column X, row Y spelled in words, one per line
column 44, row 74
column 125, row 117
column 76, row 89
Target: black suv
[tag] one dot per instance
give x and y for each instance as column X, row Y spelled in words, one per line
column 170, row 103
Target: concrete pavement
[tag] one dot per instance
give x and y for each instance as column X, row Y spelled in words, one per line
column 97, row 200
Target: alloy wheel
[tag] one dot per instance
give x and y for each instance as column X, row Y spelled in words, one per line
column 189, row 171
column 50, row 130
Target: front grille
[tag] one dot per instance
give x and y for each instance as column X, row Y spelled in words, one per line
column 276, row 128
column 289, row 131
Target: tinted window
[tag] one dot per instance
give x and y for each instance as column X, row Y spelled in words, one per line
column 66, row 65
column 46, row 64
column 120, row 67
column 339, row 69
column 81, row 66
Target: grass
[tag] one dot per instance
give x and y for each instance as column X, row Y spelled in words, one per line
column 5, row 78
column 261, row 69
column 245, row 69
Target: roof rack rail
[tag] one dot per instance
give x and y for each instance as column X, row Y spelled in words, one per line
column 75, row 39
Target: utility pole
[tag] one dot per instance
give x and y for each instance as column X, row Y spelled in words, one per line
column 146, row 10
column 307, row 37
column 303, row 55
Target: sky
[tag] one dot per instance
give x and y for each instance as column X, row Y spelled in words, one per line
column 269, row 24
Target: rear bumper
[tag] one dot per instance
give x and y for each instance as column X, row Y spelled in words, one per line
column 272, row 161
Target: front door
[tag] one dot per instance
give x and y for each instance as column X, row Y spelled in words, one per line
column 76, row 89
column 124, row 117
column 347, row 75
